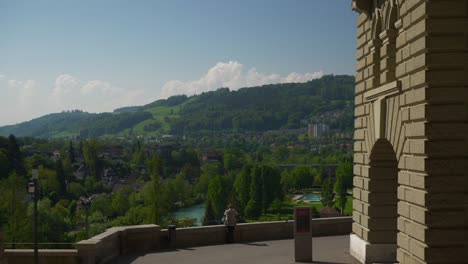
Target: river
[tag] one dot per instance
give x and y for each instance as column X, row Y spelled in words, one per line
column 196, row 211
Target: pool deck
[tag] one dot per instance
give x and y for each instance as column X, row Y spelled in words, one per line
column 326, row 250
column 299, row 197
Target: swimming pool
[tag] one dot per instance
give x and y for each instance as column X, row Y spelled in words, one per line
column 313, row 197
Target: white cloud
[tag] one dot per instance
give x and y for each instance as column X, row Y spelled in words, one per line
column 65, row 84
column 99, row 86
column 26, row 89
column 70, row 92
column 23, row 100
column 19, row 98
column 232, row 75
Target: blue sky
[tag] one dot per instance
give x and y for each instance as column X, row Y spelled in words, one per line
column 98, row 55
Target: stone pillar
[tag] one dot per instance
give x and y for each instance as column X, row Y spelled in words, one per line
column 433, row 196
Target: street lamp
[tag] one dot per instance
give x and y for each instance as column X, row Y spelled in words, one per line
column 33, row 190
column 85, row 201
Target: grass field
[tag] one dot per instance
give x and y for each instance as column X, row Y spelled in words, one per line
column 287, row 209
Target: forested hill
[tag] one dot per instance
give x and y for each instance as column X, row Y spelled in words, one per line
column 262, row 108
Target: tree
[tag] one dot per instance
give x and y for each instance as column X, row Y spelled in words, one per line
column 209, row 217
column 120, row 202
column 303, row 176
column 49, row 182
column 345, row 170
column 16, row 158
column 13, row 204
column 233, row 159
column 190, row 173
column 327, row 192
column 4, row 164
column 53, row 224
column 254, row 206
column 71, row 153
column 208, row 171
column 242, row 187
column 182, row 188
column 101, row 204
column 276, row 206
column 288, row 182
column 280, row 154
column 271, row 186
column 340, row 190
column 75, row 189
column 91, row 185
column 61, row 177
column 90, row 152
column 155, row 167
column 217, row 195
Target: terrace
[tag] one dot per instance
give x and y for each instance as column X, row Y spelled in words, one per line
column 333, row 249
column 268, row 242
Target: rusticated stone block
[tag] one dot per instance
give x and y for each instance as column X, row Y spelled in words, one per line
column 379, row 237
column 454, row 8
column 382, row 185
column 403, row 241
column 380, row 211
column 357, row 229
column 446, row 42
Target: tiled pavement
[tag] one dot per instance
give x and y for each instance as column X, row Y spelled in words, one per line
column 334, row 249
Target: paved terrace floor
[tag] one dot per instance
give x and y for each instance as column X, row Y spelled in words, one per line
column 334, row 249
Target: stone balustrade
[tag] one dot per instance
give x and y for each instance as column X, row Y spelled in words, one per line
column 117, row 241
column 46, row 256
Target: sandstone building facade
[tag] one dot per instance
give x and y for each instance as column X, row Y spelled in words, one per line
column 411, row 132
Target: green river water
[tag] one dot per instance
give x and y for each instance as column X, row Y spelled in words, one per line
column 197, row 211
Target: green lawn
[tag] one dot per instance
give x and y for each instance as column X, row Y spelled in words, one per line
column 288, row 208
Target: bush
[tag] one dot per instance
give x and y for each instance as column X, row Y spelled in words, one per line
column 252, row 210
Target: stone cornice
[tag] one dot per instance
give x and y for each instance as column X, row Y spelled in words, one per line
column 383, row 91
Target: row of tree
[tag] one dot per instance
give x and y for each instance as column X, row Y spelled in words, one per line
column 250, row 180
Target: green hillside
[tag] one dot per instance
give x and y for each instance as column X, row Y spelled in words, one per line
column 267, row 107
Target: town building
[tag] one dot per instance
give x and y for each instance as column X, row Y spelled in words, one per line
column 318, row 130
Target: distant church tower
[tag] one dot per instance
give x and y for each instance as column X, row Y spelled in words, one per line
column 411, row 132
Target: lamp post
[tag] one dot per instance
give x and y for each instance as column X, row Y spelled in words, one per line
column 33, row 190
column 85, row 201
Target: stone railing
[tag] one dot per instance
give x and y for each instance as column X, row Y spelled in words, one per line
column 26, row 256
column 118, row 241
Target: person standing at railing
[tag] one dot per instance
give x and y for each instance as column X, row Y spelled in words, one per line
column 230, row 220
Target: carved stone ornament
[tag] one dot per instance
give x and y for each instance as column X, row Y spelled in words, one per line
column 362, row 6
